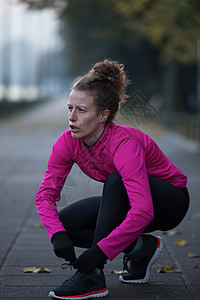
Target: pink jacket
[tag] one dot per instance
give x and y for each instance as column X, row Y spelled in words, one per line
column 120, row 148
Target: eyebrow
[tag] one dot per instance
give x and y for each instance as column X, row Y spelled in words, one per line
column 81, row 105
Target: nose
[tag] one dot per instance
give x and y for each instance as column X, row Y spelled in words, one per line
column 72, row 115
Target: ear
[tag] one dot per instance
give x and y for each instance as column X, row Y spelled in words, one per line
column 105, row 115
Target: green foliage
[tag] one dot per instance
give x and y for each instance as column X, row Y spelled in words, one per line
column 170, row 25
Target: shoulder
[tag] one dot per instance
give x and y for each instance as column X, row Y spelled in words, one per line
column 64, row 138
column 125, row 134
column 65, row 144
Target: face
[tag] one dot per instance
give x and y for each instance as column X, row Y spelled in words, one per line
column 84, row 122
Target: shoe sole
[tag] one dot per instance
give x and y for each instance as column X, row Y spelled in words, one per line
column 98, row 294
column 156, row 255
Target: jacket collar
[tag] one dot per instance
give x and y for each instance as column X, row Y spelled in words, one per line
column 101, row 139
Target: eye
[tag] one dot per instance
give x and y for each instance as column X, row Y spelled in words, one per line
column 81, row 110
column 69, row 108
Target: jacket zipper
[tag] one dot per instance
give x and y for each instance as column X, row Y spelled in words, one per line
column 93, row 159
column 88, row 147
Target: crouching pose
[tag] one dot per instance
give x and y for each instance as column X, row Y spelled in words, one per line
column 143, row 191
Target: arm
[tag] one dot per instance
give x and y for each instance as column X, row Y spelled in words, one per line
column 129, row 160
column 58, row 168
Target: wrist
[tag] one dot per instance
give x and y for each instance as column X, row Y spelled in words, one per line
column 100, row 252
column 59, row 234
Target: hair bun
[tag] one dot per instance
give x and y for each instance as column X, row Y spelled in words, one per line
column 113, row 72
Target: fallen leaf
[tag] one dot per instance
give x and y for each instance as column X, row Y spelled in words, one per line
column 164, row 269
column 42, row 270
column 172, row 232
column 29, row 269
column 117, row 272
column 191, row 254
column 158, row 283
column 181, row 242
column 36, row 270
column 37, row 225
column 197, row 265
column 195, row 216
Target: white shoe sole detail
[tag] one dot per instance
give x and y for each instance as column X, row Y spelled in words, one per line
column 99, row 295
column 153, row 259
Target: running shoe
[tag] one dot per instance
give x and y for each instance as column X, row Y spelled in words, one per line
column 82, row 286
column 140, row 263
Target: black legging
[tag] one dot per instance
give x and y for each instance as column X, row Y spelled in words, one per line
column 89, row 220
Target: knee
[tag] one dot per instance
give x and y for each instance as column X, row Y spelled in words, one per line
column 113, row 178
column 61, row 216
column 65, row 218
column 115, row 195
column 115, row 184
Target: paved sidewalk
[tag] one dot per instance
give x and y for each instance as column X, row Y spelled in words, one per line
column 25, row 145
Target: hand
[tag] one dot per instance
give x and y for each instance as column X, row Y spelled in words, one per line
column 90, row 259
column 63, row 246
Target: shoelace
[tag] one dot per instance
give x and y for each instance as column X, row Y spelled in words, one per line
column 125, row 262
column 76, row 277
column 67, row 265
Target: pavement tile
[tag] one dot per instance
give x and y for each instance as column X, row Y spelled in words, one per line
column 32, row 280
column 148, row 291
column 24, row 292
column 32, row 259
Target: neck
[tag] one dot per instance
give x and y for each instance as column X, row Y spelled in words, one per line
column 94, row 138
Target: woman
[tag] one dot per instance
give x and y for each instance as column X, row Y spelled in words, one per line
column 143, row 191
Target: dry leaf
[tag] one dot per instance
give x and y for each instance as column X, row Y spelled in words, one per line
column 158, row 283
column 36, row 270
column 29, row 269
column 42, row 270
column 191, row 254
column 117, row 272
column 197, row 265
column 195, row 216
column 181, row 242
column 164, row 269
column 172, row 232
column 37, row 225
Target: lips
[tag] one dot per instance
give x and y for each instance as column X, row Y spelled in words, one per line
column 73, row 128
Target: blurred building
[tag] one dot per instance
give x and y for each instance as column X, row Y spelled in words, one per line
column 31, row 57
